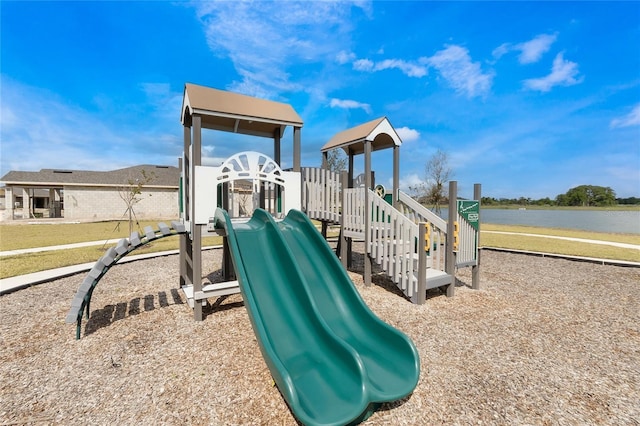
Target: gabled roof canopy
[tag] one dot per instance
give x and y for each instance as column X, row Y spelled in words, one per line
column 233, row 112
column 379, row 132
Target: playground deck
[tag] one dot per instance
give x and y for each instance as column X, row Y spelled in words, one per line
column 545, row 340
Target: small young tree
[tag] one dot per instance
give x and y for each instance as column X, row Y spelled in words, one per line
column 132, row 192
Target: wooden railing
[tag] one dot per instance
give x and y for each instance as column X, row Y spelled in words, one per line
column 353, row 221
column 321, row 194
column 393, row 244
column 437, row 227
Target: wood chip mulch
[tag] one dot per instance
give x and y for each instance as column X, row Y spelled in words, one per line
column 544, row 342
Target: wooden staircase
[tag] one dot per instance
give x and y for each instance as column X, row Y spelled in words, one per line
column 408, row 243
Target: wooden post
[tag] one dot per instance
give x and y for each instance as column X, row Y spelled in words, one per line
column 367, row 212
column 350, row 185
column 475, row 270
column 276, row 146
column 422, row 264
column 296, row 149
column 450, row 260
column 196, row 230
column 396, row 176
column 182, row 261
column 344, row 249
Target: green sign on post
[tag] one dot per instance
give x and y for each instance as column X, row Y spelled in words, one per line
column 470, row 212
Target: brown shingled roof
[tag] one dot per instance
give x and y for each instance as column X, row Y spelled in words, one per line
column 162, row 177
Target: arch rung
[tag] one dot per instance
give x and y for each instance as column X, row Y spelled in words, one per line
column 122, row 247
column 96, row 271
column 109, row 257
column 178, row 227
column 134, row 240
column 149, row 233
column 164, row 229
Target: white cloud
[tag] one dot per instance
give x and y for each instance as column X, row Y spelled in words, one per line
column 501, row 50
column 407, row 68
column 264, row 39
column 408, row 182
column 364, row 65
column 563, row 73
column 411, row 70
column 349, row 104
column 59, row 135
column 531, row 51
column 456, row 67
column 631, row 119
column 407, row 134
column 344, row 57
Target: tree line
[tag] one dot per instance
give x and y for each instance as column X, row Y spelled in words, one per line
column 432, row 190
column 579, row 196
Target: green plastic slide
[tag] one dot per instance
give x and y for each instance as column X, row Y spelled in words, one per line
column 332, row 359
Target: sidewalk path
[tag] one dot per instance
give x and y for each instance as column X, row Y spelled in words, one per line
column 579, row 240
column 60, row 247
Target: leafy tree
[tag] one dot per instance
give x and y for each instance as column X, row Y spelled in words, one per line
column 587, row 195
column 628, row 200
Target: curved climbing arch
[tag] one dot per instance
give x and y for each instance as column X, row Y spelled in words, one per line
column 82, row 300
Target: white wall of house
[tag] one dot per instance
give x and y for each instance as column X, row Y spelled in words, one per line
column 96, row 203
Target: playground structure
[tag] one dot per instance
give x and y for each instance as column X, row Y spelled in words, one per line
column 390, row 228
column 291, row 281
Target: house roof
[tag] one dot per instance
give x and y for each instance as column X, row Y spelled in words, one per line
column 160, row 177
column 233, row 112
column 379, row 132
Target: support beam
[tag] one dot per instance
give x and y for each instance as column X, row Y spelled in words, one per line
column 196, row 230
column 276, row 147
column 344, row 247
column 450, row 259
column 182, row 261
column 367, row 213
column 296, row 149
column 475, row 270
column 26, row 203
column 422, row 264
column 9, row 201
column 396, row 175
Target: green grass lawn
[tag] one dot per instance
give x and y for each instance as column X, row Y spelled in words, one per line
column 13, row 237
column 556, row 246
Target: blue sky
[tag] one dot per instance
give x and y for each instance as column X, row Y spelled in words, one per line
column 528, row 98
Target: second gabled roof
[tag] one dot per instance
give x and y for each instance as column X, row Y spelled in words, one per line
column 379, row 132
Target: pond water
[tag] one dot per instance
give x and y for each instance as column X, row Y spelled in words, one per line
column 626, row 222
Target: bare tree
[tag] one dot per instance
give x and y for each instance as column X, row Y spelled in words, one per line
column 336, row 160
column 132, row 192
column 437, row 173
